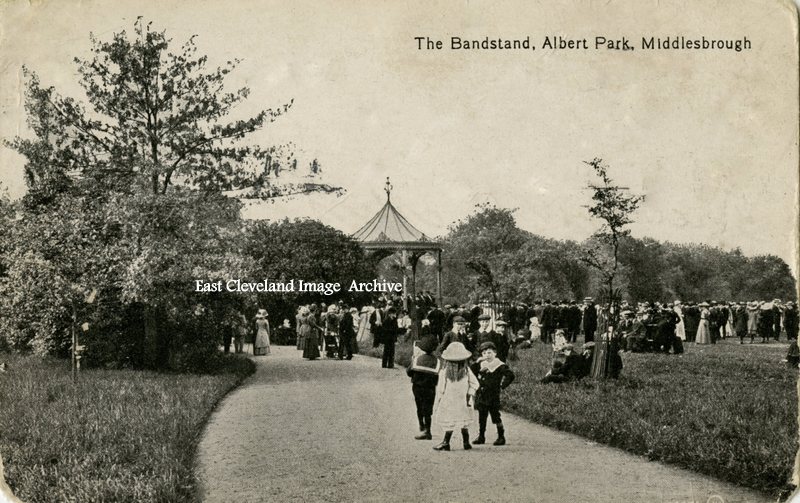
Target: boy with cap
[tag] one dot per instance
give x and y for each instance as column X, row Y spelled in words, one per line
column 493, row 375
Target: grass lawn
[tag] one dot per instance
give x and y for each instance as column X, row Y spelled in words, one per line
column 114, row 435
column 725, row 410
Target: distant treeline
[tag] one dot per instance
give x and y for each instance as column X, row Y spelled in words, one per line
column 487, row 256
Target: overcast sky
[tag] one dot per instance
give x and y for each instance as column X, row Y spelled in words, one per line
column 709, row 137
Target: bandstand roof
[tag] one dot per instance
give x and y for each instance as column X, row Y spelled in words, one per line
column 390, row 230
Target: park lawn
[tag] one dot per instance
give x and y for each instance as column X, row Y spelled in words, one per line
column 113, row 435
column 725, row 410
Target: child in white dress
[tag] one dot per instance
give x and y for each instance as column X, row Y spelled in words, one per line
column 455, row 395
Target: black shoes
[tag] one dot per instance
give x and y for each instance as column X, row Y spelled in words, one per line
column 480, row 440
column 425, row 435
column 465, row 438
column 444, row 446
column 501, row 436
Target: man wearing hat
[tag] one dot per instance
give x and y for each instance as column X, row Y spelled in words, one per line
column 493, row 376
column 458, row 334
column 389, row 332
column 347, row 334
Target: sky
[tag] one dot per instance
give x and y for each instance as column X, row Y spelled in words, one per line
column 709, row 137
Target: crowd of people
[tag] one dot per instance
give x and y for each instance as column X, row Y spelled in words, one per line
column 460, row 353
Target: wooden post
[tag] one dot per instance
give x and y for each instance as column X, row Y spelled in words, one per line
column 404, row 265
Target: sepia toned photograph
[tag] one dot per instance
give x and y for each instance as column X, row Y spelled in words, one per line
column 342, row 251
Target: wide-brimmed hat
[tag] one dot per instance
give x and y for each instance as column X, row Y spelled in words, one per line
column 364, row 309
column 703, row 304
column 353, row 310
column 456, row 352
column 262, row 313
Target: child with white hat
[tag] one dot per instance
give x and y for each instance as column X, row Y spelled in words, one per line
column 455, row 395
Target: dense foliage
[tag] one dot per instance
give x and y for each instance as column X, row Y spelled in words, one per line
column 304, row 250
column 486, row 255
column 131, row 197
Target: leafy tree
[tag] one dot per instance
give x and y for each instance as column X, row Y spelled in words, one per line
column 135, row 193
column 308, row 250
column 155, row 118
column 614, row 207
column 474, row 248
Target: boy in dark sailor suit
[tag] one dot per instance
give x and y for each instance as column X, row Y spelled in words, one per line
column 493, row 375
column 424, row 374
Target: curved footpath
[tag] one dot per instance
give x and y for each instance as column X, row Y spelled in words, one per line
column 339, row 431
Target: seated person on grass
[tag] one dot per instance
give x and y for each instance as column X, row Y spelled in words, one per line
column 574, row 367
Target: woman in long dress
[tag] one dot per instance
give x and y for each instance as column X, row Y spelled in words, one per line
column 261, row 343
column 297, row 324
column 309, row 331
column 703, row 330
column 680, row 328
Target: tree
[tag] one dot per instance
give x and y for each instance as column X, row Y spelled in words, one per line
column 155, row 119
column 307, row 250
column 474, row 248
column 136, row 193
column 615, row 207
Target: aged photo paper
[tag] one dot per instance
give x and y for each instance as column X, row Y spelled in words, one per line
column 420, row 117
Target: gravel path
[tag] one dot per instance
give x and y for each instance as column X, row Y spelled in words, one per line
column 339, row 431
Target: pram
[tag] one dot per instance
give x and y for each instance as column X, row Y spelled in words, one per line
column 331, row 344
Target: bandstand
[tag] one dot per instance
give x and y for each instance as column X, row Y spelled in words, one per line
column 389, row 232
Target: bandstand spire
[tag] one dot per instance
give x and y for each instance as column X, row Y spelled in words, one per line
column 388, row 188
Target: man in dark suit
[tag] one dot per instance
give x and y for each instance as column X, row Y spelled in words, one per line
column 376, row 324
column 776, row 318
column 548, row 322
column 573, row 314
column 691, row 320
column 521, row 322
column 790, row 320
column 589, row 320
column 437, row 319
column 389, row 332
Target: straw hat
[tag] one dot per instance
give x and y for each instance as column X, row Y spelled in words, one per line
column 456, row 352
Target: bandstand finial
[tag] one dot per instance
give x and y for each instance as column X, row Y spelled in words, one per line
column 388, row 189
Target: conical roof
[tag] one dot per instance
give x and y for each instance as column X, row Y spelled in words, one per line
column 389, row 229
